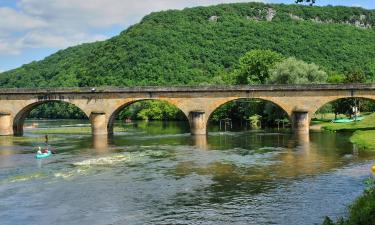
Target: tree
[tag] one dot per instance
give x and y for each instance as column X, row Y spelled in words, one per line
column 336, row 78
column 255, row 65
column 293, row 71
column 370, row 72
column 310, row 2
column 356, row 76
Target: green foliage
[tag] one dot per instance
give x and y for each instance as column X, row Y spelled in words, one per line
column 244, row 109
column 54, row 110
column 344, row 106
column 370, row 72
column 254, row 66
column 255, row 121
column 186, row 48
column 368, row 123
column 327, row 108
column 152, row 110
column 336, row 78
column 293, row 71
column 356, row 76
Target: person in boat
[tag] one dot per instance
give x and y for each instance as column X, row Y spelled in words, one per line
column 39, row 150
column 42, row 151
column 45, row 151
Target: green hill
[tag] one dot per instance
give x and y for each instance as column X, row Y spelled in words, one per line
column 190, row 46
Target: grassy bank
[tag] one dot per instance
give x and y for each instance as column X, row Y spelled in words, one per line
column 362, row 211
column 366, row 124
column 364, row 131
column 364, row 139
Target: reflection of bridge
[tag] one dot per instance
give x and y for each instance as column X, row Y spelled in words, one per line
column 102, row 105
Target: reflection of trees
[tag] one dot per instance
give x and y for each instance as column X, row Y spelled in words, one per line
column 6, row 149
column 158, row 127
column 200, row 141
column 324, row 152
column 302, row 155
column 229, row 181
column 6, row 144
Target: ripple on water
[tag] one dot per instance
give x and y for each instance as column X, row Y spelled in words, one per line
column 231, row 181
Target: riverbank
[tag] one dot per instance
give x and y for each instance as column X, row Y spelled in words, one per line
column 366, row 124
column 362, row 211
column 364, row 139
column 363, row 131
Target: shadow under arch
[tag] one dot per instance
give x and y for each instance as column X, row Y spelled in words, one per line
column 19, row 119
column 359, row 104
column 265, row 100
column 114, row 115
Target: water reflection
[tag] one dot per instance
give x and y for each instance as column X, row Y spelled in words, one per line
column 302, row 138
column 6, row 142
column 100, row 143
column 158, row 174
column 6, row 150
column 200, row 141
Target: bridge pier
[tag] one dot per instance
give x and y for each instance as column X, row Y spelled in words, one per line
column 6, row 124
column 98, row 122
column 198, row 123
column 300, row 122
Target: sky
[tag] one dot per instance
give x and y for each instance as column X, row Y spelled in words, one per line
column 33, row 29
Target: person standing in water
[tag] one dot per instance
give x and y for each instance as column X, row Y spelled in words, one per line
column 47, row 145
column 46, row 142
column 46, row 137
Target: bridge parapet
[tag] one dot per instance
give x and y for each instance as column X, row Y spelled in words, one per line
column 212, row 88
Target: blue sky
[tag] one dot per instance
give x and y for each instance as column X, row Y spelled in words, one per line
column 33, row 29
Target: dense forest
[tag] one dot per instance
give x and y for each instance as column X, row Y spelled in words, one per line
column 201, row 45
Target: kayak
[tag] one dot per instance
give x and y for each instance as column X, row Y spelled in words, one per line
column 43, row 155
column 347, row 120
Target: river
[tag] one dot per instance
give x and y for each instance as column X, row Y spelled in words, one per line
column 157, row 173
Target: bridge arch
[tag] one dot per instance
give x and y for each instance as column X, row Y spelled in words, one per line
column 321, row 104
column 221, row 103
column 21, row 115
column 127, row 103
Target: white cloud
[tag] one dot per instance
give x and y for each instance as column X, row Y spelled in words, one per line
column 13, row 21
column 62, row 23
column 7, row 47
column 40, row 40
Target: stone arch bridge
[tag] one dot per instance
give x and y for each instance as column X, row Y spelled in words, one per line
column 102, row 105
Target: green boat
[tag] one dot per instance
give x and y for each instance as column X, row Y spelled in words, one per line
column 346, row 120
column 43, row 155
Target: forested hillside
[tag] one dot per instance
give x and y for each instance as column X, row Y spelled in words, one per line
column 191, row 46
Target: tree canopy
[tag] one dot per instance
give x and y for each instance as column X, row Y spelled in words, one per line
column 254, row 67
column 185, row 47
column 294, row 71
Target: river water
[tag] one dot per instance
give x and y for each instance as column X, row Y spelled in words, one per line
column 156, row 173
